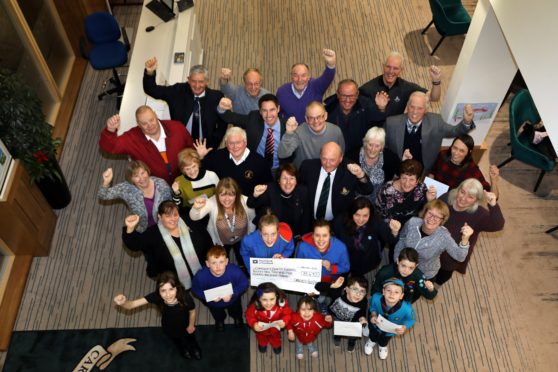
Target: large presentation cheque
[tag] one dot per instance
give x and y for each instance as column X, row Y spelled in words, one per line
column 293, row 274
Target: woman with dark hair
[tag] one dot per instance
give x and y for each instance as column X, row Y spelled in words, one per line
column 178, row 312
column 141, row 192
column 455, row 165
column 286, row 198
column 230, row 219
column 403, row 197
column 465, row 208
column 363, row 236
column 167, row 246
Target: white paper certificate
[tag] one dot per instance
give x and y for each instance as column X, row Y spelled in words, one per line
column 385, row 325
column 293, row 274
column 441, row 188
column 218, row 292
column 351, row 329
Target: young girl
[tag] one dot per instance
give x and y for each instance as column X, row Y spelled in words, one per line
column 178, row 312
column 268, row 313
column 273, row 239
column 306, row 324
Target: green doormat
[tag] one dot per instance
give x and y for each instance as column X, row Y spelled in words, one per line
column 111, row 350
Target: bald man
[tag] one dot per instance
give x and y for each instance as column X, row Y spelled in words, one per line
column 332, row 183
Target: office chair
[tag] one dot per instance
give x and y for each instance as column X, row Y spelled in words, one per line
column 450, row 19
column 106, row 51
column 522, row 108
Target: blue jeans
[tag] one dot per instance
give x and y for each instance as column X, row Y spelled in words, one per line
column 299, row 347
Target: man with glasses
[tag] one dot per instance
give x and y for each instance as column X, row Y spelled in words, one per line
column 296, row 95
column 354, row 114
column 306, row 140
column 244, row 98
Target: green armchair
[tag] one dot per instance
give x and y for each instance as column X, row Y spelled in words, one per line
column 522, row 108
column 450, row 19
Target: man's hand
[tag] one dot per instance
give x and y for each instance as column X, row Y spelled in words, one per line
column 201, row 148
column 107, row 177
column 381, row 100
column 291, row 125
column 151, row 65
column 435, row 74
column 259, row 190
column 225, row 104
column 329, row 57
column 407, row 155
column 226, row 75
column 468, row 114
column 356, row 170
column 113, row 123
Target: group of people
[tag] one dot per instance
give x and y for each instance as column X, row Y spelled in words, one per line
column 338, row 179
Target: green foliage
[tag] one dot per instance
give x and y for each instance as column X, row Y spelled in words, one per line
column 23, row 128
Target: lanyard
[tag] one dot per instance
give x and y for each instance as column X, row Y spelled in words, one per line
column 232, row 225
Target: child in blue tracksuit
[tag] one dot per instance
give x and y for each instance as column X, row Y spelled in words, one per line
column 390, row 305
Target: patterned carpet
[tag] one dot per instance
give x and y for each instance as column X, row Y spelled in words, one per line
column 493, row 319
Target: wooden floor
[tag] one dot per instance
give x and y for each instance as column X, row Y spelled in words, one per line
column 499, row 317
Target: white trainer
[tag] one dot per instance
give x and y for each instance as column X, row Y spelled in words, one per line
column 369, row 347
column 383, row 352
column 299, row 356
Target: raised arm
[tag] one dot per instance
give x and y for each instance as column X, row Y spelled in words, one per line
column 122, row 301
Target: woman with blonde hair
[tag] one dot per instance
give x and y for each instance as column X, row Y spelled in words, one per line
column 230, row 219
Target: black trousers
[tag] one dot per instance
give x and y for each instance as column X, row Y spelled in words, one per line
column 378, row 336
column 442, row 276
column 220, row 313
column 186, row 342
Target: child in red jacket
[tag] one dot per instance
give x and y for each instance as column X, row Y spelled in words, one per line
column 268, row 313
column 306, row 324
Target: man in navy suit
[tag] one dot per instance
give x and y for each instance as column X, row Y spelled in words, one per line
column 332, row 183
column 259, row 126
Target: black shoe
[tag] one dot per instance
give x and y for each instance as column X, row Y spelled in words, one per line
column 220, row 326
column 262, row 349
column 187, row 354
column 277, row 350
column 238, row 323
column 337, row 341
column 196, row 353
column 351, row 346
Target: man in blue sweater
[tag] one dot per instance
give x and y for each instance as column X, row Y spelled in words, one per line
column 219, row 273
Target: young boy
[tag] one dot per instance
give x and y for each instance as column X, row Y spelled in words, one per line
column 391, row 306
column 217, row 273
column 405, row 268
column 348, row 304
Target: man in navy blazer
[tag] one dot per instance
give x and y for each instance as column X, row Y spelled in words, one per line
column 257, row 123
column 182, row 97
column 347, row 181
column 418, row 134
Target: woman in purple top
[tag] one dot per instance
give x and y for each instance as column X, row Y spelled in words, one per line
column 464, row 204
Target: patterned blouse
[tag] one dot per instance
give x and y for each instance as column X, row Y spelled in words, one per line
column 394, row 204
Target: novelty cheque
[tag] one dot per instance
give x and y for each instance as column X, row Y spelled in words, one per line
column 293, row 274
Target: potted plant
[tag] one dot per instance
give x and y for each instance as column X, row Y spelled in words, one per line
column 28, row 137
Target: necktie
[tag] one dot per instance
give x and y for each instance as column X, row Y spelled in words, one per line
column 196, row 123
column 269, row 146
column 322, row 202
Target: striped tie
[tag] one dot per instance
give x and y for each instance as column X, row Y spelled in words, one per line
column 269, row 146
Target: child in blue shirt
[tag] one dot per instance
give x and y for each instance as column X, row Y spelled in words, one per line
column 218, row 273
column 390, row 305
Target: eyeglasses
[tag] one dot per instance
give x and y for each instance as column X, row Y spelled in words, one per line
column 348, row 97
column 431, row 216
column 311, row 119
column 357, row 291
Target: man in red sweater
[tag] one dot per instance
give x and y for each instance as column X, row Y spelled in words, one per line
column 156, row 143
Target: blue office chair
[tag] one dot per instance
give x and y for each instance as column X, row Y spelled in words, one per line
column 522, row 108
column 106, row 51
column 450, row 19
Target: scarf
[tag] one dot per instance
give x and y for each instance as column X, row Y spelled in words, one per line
column 393, row 309
column 187, row 249
column 375, row 172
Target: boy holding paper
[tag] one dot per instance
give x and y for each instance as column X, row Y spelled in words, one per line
column 220, row 286
column 389, row 316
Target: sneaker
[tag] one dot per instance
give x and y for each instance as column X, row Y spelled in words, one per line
column 351, row 345
column 262, row 349
column 336, row 341
column 368, row 347
column 383, row 352
column 277, row 350
column 299, row 356
column 314, row 354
